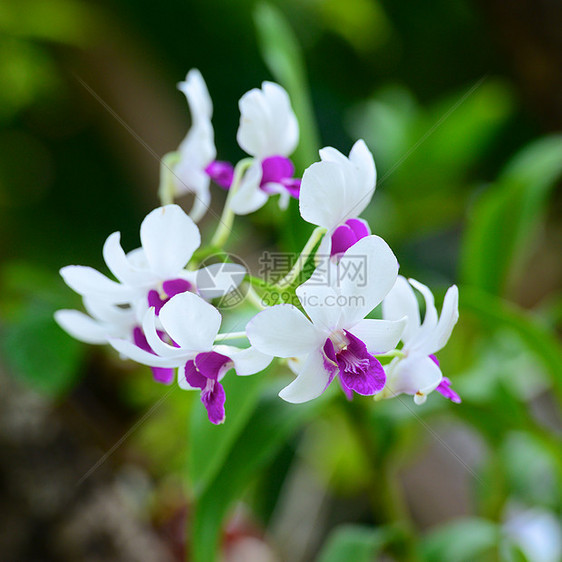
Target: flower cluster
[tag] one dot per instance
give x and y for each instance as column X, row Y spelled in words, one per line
column 161, row 309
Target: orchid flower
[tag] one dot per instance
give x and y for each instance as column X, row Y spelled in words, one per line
column 155, row 272
column 269, row 132
column 334, row 192
column 335, row 339
column 418, row 372
column 192, row 325
column 197, row 165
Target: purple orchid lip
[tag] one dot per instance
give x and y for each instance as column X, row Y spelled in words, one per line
column 204, row 372
column 359, row 371
column 171, row 288
column 445, row 389
column 163, row 375
column 222, row 173
column 279, row 170
column 346, row 235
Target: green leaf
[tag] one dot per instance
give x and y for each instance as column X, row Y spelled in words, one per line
column 502, row 223
column 209, row 445
column 497, row 313
column 35, row 348
column 272, row 423
column 464, row 540
column 281, row 52
column 355, row 542
column 38, row 351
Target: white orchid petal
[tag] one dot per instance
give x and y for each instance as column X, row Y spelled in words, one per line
column 190, row 321
column 81, row 327
column 311, row 380
column 363, row 160
column 119, row 264
column 400, row 302
column 283, row 331
column 447, row 320
column 197, row 94
column 379, row 336
column 201, row 204
column 424, row 334
column 320, row 302
column 415, row 374
column 153, row 339
column 366, row 273
column 249, row 361
column 132, row 351
column 169, row 238
column 268, row 125
column 109, row 313
column 323, row 194
column 249, row 197
column 328, row 197
column 89, row 282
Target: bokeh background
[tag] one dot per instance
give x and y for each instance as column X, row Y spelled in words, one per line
column 460, row 102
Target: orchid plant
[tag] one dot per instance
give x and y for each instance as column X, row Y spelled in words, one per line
column 164, row 307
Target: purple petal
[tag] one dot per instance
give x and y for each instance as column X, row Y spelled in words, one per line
column 293, row 186
column 435, row 360
column 193, row 376
column 210, row 364
column 342, row 239
column 155, row 301
column 359, row 227
column 163, row 375
column 275, row 169
column 213, row 398
column 222, row 173
column 359, row 370
column 445, row 389
column 140, row 339
column 330, row 361
column 174, row 287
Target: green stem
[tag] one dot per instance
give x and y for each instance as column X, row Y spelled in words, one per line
column 167, row 188
column 387, row 501
column 227, row 218
column 315, row 237
column 393, row 353
column 230, row 336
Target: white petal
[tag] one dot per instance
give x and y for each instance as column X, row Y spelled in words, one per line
column 108, row 313
column 379, row 336
column 424, row 334
column 414, row 374
column 119, row 264
column 90, row 282
column 268, row 125
column 155, row 342
column 366, row 273
column 400, row 302
column 310, row 382
column 191, row 322
column 197, row 95
column 249, row 197
column 81, row 326
column 447, row 320
column 283, row 331
column 322, row 194
column 249, row 361
column 131, row 351
column 218, row 279
column 320, row 302
column 337, row 188
column 169, row 238
column 201, row 204
column 364, row 162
